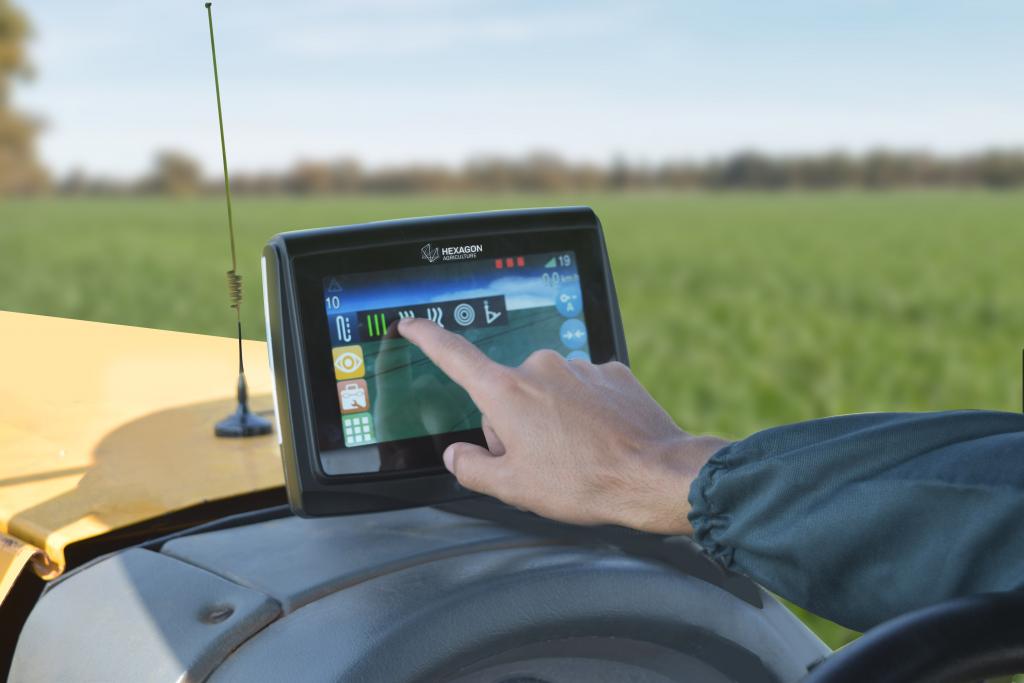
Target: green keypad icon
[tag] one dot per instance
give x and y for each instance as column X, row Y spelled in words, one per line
column 358, row 429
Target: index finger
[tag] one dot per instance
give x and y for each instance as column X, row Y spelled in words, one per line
column 464, row 363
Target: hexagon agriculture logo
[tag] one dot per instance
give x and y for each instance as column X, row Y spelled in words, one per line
column 430, row 254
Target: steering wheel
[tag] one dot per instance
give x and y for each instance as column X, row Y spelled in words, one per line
column 961, row 640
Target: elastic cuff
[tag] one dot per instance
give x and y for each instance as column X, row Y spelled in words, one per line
column 707, row 520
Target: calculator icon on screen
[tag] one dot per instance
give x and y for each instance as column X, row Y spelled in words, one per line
column 358, row 428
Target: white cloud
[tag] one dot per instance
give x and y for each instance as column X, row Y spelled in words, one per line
column 519, row 293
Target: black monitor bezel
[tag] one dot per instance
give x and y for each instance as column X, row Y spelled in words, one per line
column 304, row 375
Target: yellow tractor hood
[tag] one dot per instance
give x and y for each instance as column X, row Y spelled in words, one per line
column 104, row 426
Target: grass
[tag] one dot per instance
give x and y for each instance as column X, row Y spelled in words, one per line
column 741, row 311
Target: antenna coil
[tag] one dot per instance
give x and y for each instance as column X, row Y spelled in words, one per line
column 234, row 289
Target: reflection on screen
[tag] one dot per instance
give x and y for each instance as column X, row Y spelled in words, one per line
column 508, row 307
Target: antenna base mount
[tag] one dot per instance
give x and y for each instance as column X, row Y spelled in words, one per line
column 243, row 422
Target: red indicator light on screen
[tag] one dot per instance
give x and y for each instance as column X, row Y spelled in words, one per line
column 520, row 261
column 498, row 263
column 510, row 263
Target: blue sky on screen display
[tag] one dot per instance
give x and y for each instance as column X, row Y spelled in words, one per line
column 429, row 284
column 398, row 81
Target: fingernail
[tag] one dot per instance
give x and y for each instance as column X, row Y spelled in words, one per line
column 449, row 459
column 403, row 323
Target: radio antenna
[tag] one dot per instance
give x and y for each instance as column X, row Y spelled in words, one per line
column 242, row 422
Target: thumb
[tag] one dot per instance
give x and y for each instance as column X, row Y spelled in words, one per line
column 476, row 468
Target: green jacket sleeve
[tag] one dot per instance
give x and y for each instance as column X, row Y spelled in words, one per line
column 863, row 517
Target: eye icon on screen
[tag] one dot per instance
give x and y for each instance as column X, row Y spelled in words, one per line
column 348, row 362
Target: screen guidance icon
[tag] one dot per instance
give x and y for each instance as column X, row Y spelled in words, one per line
column 376, row 325
column 343, row 328
column 435, row 314
column 464, row 314
column 490, row 315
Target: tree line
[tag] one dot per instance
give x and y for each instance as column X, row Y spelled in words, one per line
column 178, row 175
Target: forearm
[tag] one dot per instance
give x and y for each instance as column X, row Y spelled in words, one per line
column 863, row 517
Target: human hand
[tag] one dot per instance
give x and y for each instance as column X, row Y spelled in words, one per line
column 569, row 440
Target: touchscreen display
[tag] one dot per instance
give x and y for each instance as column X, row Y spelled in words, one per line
column 387, row 390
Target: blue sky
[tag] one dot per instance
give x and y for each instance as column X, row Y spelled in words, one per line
column 395, row 81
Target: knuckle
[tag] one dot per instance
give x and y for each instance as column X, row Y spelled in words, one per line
column 449, row 344
column 617, row 368
column 544, row 358
column 581, row 365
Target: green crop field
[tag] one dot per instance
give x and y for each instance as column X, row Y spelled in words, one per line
column 741, row 311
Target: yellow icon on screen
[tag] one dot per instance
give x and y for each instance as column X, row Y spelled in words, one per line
column 348, row 362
